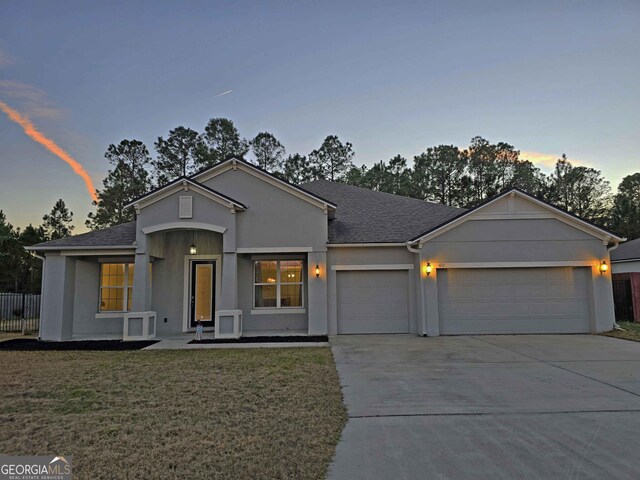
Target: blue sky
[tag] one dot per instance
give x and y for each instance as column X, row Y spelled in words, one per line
column 390, row 77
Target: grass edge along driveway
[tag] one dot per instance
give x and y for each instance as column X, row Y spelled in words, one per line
column 241, row 413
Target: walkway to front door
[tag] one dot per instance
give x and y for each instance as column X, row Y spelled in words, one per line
column 488, row 407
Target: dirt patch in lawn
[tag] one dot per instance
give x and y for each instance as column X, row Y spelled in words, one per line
column 242, row 414
column 631, row 331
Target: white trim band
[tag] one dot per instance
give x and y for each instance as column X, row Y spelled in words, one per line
column 389, row 266
column 274, row 249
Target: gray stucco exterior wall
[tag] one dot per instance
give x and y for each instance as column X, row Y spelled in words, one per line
column 504, row 243
column 348, row 258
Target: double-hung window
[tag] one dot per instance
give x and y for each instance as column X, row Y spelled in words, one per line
column 116, row 286
column 278, row 283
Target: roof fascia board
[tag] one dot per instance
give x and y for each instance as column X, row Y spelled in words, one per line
column 276, row 182
column 556, row 213
column 626, row 260
column 115, row 248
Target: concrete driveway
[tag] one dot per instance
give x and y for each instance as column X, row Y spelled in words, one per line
column 488, row 407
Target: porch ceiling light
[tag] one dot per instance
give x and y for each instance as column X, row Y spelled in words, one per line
column 193, row 249
column 317, row 270
column 603, row 267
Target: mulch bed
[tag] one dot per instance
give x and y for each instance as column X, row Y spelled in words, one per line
column 283, row 339
column 32, row 344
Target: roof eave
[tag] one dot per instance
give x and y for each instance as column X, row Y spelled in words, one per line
column 37, row 248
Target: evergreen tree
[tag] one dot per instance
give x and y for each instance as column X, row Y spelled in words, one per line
column 268, row 152
column 58, row 223
column 625, row 214
column 222, row 140
column 181, row 154
column 333, row 159
column 128, row 180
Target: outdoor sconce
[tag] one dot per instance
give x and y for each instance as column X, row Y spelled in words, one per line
column 427, row 269
column 603, row 267
column 193, row 249
column 317, row 270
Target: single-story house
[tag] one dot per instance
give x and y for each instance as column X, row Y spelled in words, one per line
column 625, row 267
column 242, row 252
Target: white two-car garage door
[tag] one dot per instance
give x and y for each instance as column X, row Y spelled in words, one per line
column 513, row 300
column 373, row 301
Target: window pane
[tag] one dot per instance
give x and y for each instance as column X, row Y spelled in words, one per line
column 112, row 275
column 130, row 279
column 266, row 271
column 265, row 296
column 111, row 299
column 291, row 296
column 291, row 271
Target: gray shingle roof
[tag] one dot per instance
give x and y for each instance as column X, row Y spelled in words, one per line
column 366, row 216
column 119, row 235
column 362, row 216
column 627, row 251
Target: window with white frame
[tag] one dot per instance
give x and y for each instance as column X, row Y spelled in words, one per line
column 116, row 286
column 278, row 283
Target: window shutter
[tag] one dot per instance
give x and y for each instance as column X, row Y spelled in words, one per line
column 186, row 207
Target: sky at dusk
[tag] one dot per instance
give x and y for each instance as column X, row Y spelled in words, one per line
column 390, row 77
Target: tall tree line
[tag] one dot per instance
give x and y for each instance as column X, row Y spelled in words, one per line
column 442, row 173
column 20, row 271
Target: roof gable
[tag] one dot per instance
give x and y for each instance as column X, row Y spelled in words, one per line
column 234, row 163
column 184, row 183
column 514, row 203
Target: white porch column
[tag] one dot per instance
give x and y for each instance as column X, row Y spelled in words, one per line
column 229, row 287
column 56, row 309
column 141, row 301
column 317, row 287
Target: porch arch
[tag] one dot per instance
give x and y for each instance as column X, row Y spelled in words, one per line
column 183, row 226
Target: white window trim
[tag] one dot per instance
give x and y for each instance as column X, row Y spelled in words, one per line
column 125, row 300
column 278, row 308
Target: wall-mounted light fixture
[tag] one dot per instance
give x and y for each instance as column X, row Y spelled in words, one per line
column 427, row 269
column 193, row 249
column 603, row 267
column 317, row 270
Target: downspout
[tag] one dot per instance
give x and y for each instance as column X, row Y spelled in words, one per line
column 423, row 305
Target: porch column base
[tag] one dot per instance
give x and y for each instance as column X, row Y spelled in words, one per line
column 139, row 326
column 228, row 324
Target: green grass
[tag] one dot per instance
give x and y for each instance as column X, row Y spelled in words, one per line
column 214, row 414
column 631, row 331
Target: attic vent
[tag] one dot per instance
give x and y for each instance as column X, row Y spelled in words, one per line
column 186, row 207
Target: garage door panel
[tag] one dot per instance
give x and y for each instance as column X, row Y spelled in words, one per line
column 373, row 302
column 517, row 300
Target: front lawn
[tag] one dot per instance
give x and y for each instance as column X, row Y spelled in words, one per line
column 631, row 331
column 241, row 413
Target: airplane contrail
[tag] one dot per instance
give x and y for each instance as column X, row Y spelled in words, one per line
column 227, row 92
column 32, row 132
